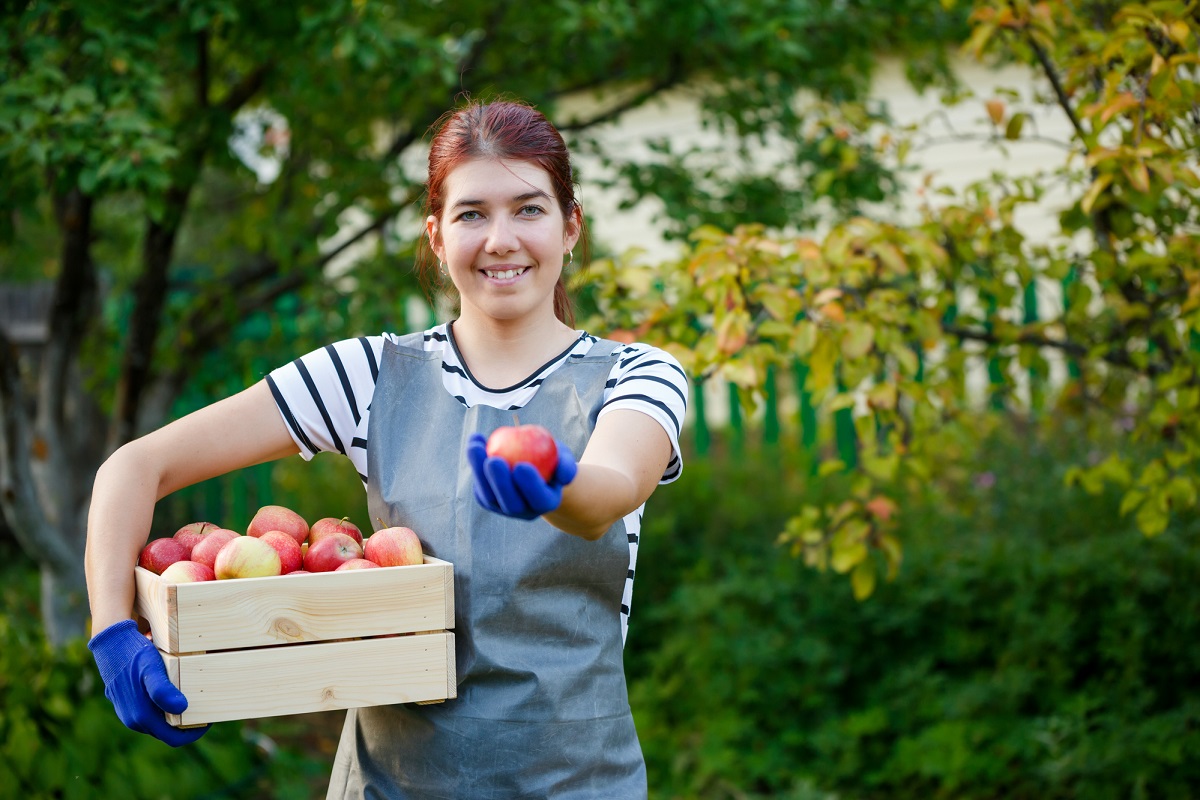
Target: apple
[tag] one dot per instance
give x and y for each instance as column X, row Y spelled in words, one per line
column 290, row 557
column 205, row 552
column 394, row 547
column 327, row 553
column 278, row 518
column 356, row 563
column 247, row 557
column 532, row 444
column 191, row 534
column 299, row 572
column 188, row 572
column 334, row 525
column 159, row 554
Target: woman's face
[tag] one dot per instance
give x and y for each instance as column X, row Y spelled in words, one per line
column 502, row 237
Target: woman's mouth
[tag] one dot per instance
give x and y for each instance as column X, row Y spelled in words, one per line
column 505, row 274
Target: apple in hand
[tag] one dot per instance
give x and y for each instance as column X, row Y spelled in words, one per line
column 159, row 554
column 247, row 557
column 278, row 518
column 356, row 563
column 394, row 547
column 532, row 444
column 334, row 525
column 330, row 551
column 290, row 556
column 188, row 572
column 205, row 552
column 190, row 535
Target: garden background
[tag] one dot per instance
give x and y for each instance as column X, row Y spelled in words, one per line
column 935, row 535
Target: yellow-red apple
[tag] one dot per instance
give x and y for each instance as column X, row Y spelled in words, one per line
column 532, row 444
column 205, row 551
column 394, row 547
column 278, row 518
column 334, row 525
column 290, row 556
column 247, row 557
column 188, row 572
column 159, row 554
column 330, row 551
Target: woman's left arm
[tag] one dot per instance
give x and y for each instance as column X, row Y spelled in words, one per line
column 622, row 465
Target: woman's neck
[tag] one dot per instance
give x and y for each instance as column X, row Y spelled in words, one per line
column 501, row 353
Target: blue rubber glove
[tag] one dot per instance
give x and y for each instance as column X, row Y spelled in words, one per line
column 518, row 492
column 136, row 682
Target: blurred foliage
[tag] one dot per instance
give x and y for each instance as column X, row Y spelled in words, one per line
column 892, row 319
column 1037, row 647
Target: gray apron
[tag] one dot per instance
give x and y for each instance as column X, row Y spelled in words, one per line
column 542, row 707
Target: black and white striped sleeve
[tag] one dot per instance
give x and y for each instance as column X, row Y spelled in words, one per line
column 651, row 381
column 324, row 395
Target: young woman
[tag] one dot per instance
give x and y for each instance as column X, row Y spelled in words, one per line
column 543, row 569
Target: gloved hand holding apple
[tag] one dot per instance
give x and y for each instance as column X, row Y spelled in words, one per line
column 520, row 470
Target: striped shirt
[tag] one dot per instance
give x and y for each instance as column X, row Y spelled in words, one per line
column 325, row 399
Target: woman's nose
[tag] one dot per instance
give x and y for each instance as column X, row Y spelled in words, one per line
column 501, row 236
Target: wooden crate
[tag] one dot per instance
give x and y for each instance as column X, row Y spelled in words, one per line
column 292, row 644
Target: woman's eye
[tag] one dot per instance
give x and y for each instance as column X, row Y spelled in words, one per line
column 532, row 211
column 469, row 216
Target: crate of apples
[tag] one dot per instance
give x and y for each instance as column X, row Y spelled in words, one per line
column 262, row 623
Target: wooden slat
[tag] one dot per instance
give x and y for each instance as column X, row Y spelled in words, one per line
column 253, row 612
column 304, row 678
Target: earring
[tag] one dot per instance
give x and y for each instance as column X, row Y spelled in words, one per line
column 442, row 267
column 570, row 257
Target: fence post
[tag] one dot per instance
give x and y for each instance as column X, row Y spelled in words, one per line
column 808, row 414
column 1036, row 389
column 700, row 430
column 771, row 411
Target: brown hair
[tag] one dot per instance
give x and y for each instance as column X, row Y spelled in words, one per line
column 504, row 129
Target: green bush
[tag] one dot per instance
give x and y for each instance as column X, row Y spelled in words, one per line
column 1034, row 646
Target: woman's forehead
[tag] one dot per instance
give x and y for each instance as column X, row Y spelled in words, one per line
column 496, row 178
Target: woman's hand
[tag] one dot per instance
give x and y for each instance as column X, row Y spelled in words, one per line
column 136, row 683
column 518, row 491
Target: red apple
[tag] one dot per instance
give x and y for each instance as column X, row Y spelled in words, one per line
column 278, row 518
column 159, row 554
column 394, row 547
column 327, row 553
column 188, row 572
column 205, row 552
column 191, row 534
column 299, row 572
column 530, row 443
column 334, row 525
column 247, row 557
column 290, row 557
column 356, row 563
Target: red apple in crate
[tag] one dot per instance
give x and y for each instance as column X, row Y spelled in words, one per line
column 394, row 547
column 188, row 572
column 278, row 518
column 159, row 554
column 190, row 535
column 334, row 525
column 290, row 556
column 247, row 557
column 356, row 563
column 330, row 551
column 205, row 552
column 530, row 443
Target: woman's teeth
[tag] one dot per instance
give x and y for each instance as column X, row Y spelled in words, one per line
column 504, row 274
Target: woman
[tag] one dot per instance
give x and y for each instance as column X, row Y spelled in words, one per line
column 543, row 569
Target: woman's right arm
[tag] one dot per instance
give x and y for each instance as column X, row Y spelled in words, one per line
column 231, row 434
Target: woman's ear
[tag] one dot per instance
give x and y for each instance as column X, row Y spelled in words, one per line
column 574, row 227
column 434, row 234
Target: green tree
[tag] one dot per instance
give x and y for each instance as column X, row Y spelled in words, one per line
column 123, row 187
column 889, row 318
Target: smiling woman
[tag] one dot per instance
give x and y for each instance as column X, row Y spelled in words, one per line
column 543, row 561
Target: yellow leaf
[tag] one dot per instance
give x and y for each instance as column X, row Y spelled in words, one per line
column 847, row 556
column 1139, row 176
column 995, row 110
column 858, row 340
column 1094, row 191
column 862, row 580
column 893, row 553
